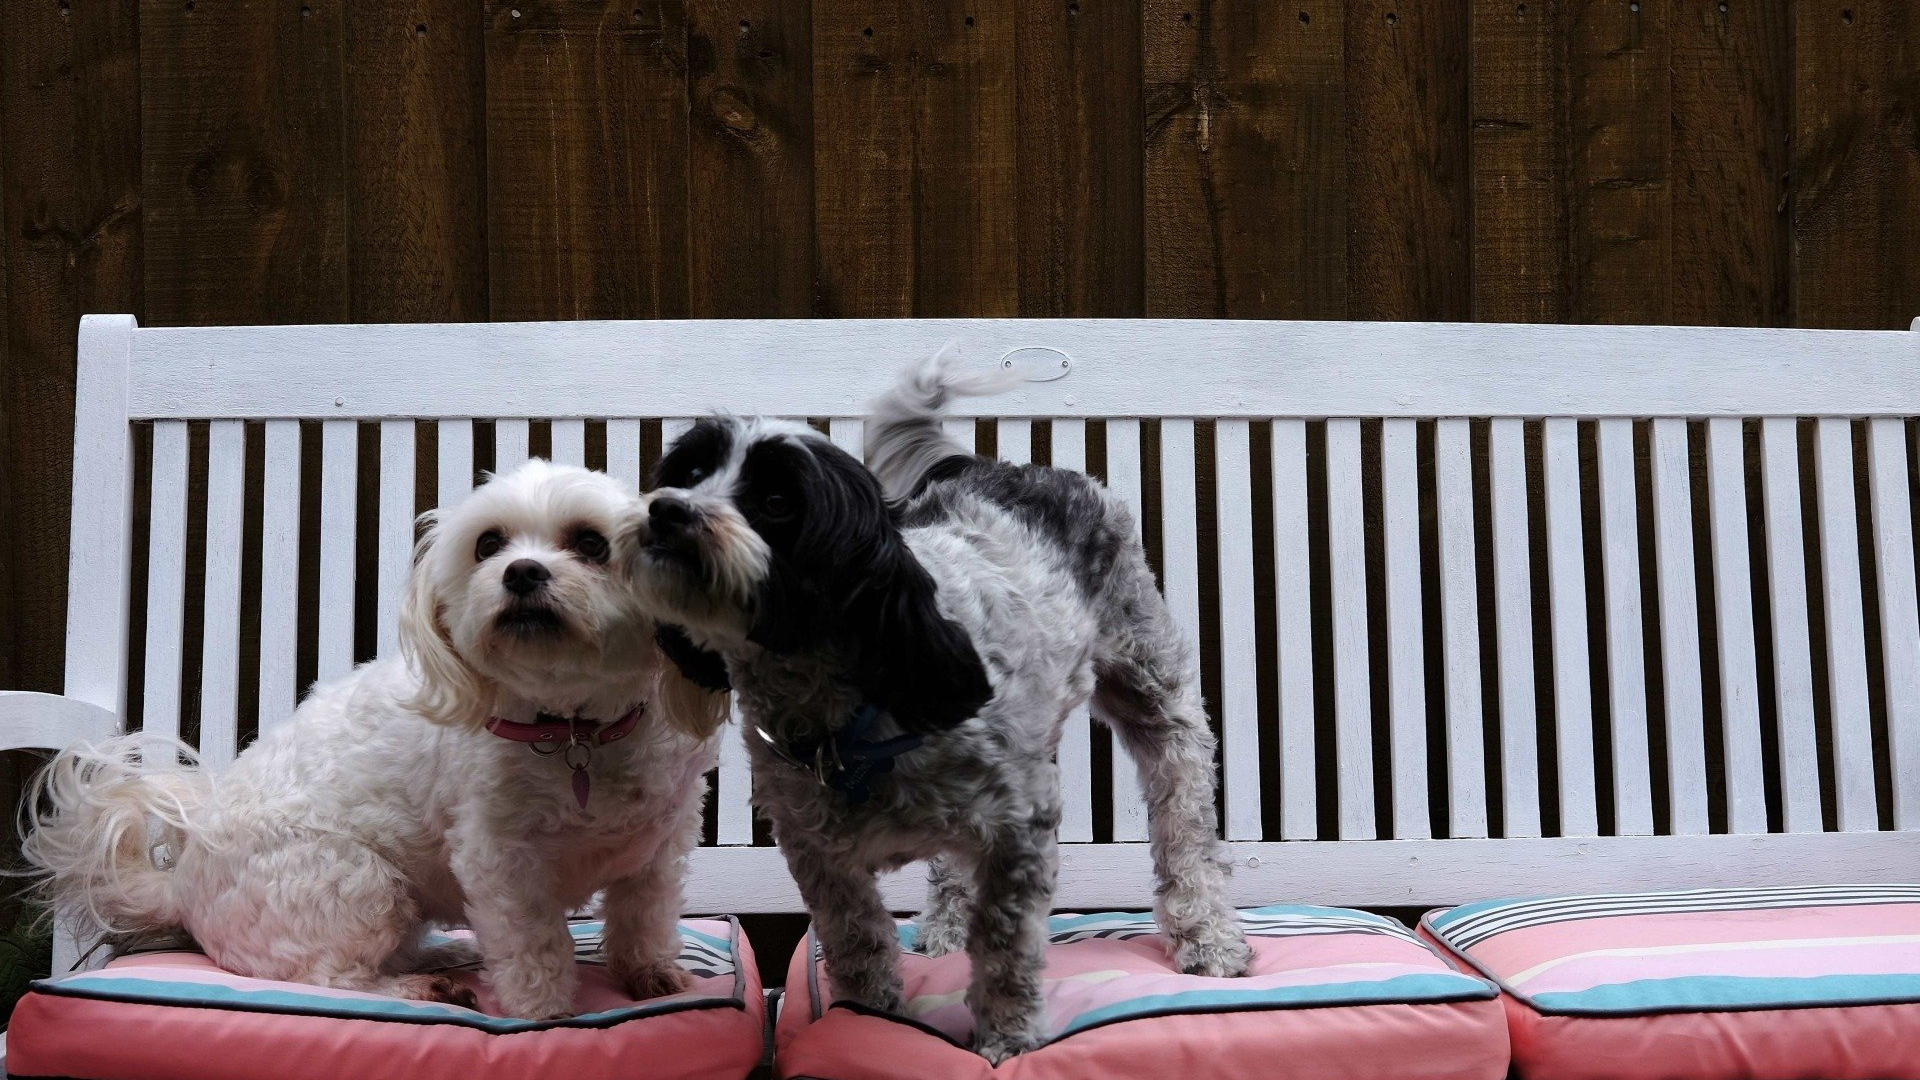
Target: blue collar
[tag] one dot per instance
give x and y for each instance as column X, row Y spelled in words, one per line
column 846, row 761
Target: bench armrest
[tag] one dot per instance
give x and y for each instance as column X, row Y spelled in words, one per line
column 30, row 721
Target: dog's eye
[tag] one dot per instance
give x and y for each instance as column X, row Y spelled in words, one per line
column 695, row 475
column 590, row 545
column 488, row 545
column 777, row 507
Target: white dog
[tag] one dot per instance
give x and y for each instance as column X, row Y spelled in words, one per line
column 414, row 791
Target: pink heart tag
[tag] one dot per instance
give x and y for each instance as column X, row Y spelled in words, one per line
column 580, row 782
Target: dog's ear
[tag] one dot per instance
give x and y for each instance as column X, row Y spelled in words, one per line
column 860, row 585
column 907, row 657
column 451, row 691
column 690, row 707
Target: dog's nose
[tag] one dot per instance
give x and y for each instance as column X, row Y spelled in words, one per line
column 525, row 575
column 669, row 516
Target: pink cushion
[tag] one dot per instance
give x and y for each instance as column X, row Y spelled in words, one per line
column 1336, row 994
column 1720, row 984
column 175, row 1016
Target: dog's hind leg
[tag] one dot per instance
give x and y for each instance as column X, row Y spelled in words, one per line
column 321, row 910
column 942, row 926
column 1147, row 689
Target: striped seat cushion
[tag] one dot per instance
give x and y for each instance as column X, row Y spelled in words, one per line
column 1705, row 983
column 1333, row 992
column 175, row 1014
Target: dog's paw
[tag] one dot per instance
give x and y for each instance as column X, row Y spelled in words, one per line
column 998, row 1046
column 655, row 980
column 1224, row 956
column 441, row 988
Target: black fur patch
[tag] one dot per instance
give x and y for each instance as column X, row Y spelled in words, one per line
column 842, row 575
column 702, row 668
column 694, row 456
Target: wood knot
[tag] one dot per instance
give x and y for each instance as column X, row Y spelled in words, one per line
column 733, row 109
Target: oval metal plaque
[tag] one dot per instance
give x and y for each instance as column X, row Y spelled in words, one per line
column 1038, row 363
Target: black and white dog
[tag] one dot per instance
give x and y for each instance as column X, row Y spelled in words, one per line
column 905, row 666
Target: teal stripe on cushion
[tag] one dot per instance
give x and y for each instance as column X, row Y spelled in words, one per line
column 721, row 944
column 1437, row 988
column 1708, row 992
column 215, row 995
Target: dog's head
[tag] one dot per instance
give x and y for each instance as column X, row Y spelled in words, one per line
column 523, row 586
column 764, row 533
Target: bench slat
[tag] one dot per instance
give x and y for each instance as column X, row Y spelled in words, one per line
column 1567, row 591
column 1846, row 624
column 1792, row 656
column 1353, row 707
column 963, row 431
column 570, row 442
column 1460, row 627
column 1513, row 610
column 1124, row 474
column 510, row 444
column 279, row 572
column 166, row 579
column 623, row 451
column 396, row 528
column 1733, row 610
column 339, row 503
column 456, row 462
column 1899, row 611
column 220, row 623
column 1069, row 451
column 1179, row 528
column 734, row 799
column 1293, row 631
column 1015, row 438
column 1626, row 656
column 849, row 434
column 1406, row 627
column 1239, row 717
column 1679, row 628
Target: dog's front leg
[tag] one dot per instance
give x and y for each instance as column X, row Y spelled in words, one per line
column 857, row 934
column 522, row 928
column 1007, row 939
column 642, row 912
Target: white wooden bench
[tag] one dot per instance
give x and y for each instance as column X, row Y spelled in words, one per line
column 1267, row 428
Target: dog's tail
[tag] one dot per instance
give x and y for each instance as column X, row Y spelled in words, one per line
column 907, row 439
column 103, row 827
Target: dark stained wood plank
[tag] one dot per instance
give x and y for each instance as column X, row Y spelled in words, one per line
column 1519, row 163
column 1247, row 189
column 70, row 125
column 1856, row 174
column 1409, row 199
column 915, row 151
column 1732, row 130
column 416, row 182
column 1620, row 225
column 242, row 177
column 750, row 209
column 586, row 112
column 1081, row 181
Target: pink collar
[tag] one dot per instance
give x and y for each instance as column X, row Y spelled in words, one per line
column 573, row 737
column 550, row 730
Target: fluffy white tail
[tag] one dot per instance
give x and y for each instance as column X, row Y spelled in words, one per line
column 906, row 438
column 108, row 821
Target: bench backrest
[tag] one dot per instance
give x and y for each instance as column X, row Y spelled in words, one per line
column 1486, row 609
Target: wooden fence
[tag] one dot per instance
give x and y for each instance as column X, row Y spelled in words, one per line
column 239, row 161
